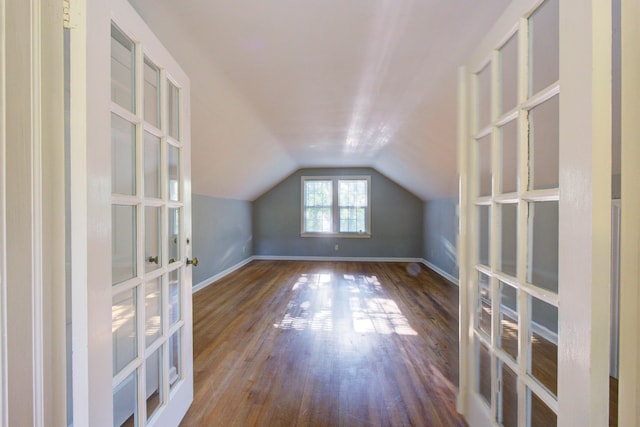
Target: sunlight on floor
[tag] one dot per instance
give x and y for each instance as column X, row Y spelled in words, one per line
column 312, row 306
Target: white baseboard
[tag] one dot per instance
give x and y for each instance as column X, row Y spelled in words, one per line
column 441, row 272
column 333, row 258
column 220, row 275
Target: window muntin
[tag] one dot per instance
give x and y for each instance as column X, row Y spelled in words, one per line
column 336, row 206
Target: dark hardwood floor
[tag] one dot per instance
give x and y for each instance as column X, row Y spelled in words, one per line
column 281, row 343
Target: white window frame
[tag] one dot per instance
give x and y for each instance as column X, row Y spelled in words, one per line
column 335, row 208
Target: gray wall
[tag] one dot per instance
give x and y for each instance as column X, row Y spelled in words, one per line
column 396, row 221
column 222, row 235
column 440, row 231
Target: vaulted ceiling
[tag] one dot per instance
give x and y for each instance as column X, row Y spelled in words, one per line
column 283, row 84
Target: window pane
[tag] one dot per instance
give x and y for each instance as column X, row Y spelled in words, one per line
column 509, row 74
column 483, row 365
column 174, row 297
column 318, row 199
column 508, row 396
column 539, row 414
column 484, row 310
column 123, row 243
column 353, row 200
column 153, row 311
column 174, row 234
column 484, row 166
column 543, row 342
column 508, row 337
column 151, row 165
column 542, row 270
column 152, row 257
column 123, row 156
column 151, row 93
column 544, row 46
column 173, row 174
column 122, row 70
column 544, row 138
column 352, row 193
column 173, row 110
column 509, row 247
column 175, row 359
column 484, row 96
column 125, row 402
column 484, row 227
column 509, row 153
column 318, row 220
column 123, row 329
column 154, row 382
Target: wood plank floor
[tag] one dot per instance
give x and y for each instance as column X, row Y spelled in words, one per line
column 282, row 343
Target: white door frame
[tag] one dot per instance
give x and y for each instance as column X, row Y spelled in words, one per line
column 585, row 212
column 629, row 368
column 32, row 348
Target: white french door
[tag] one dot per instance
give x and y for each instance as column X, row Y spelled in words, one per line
column 139, row 327
column 535, row 197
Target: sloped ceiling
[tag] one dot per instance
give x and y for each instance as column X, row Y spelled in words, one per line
column 283, row 84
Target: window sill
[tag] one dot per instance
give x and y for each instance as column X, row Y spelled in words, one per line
column 338, row 235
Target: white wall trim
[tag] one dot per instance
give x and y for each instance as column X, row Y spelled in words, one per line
column 206, row 282
column 441, row 272
column 331, row 258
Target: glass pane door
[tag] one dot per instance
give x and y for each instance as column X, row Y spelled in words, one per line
column 149, row 285
column 514, row 192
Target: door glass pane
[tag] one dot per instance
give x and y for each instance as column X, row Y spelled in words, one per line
column 508, row 339
column 122, row 70
column 123, row 329
column 173, row 110
column 483, row 377
column 123, row 243
column 484, row 166
column 174, row 234
column 539, row 414
column 483, row 320
column 509, row 155
column 151, row 93
column 174, row 296
column 152, row 255
column 125, row 402
column 544, row 139
column 543, row 256
column 484, row 96
column 509, row 74
column 154, row 382
column 151, row 165
column 543, row 342
column 123, row 156
column 173, row 162
column 509, row 247
column 507, row 396
column 484, row 227
column 153, row 311
column 544, row 30
column 175, row 358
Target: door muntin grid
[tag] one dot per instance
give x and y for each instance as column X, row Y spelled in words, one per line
column 147, row 233
column 514, row 208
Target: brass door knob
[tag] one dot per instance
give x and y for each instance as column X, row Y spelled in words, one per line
column 153, row 259
column 193, row 261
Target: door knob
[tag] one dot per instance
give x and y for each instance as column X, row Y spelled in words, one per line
column 153, row 259
column 193, row 261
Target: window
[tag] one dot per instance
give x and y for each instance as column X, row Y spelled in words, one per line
column 336, row 206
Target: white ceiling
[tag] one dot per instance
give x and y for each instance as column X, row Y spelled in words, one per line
column 283, row 84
